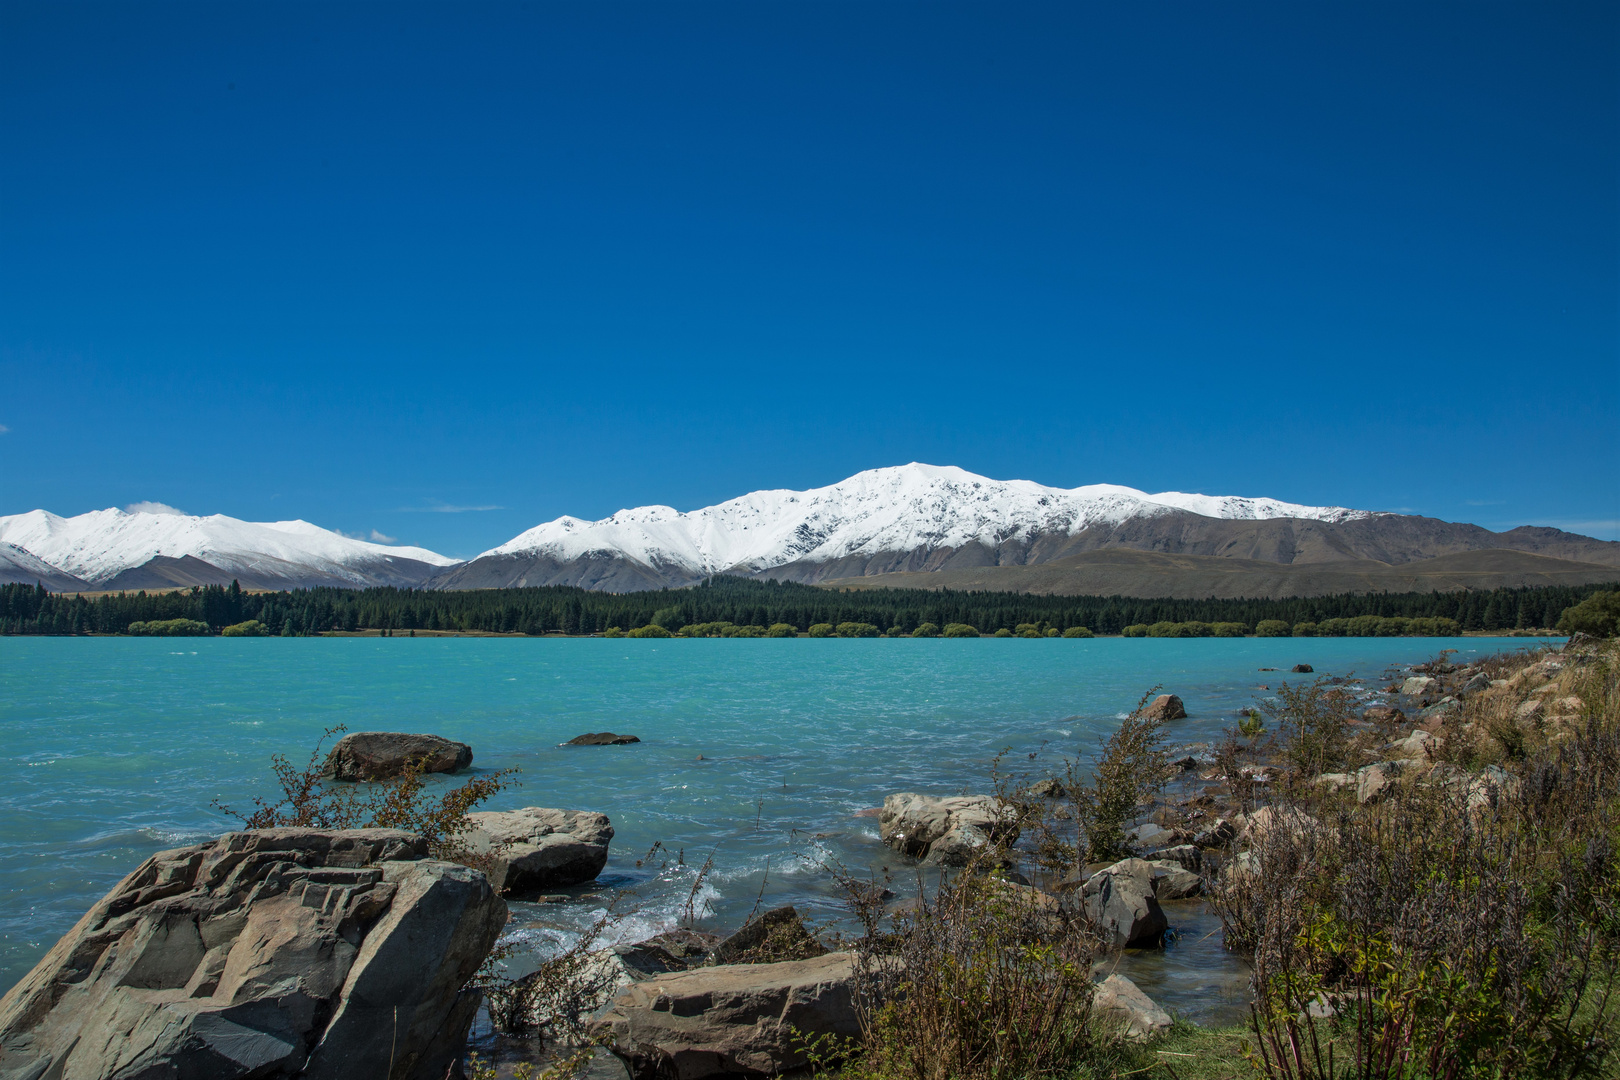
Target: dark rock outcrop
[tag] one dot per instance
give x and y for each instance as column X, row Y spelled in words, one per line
column 1302, row 669
column 776, row 935
column 601, row 738
column 272, row 953
column 380, row 755
column 1166, row 707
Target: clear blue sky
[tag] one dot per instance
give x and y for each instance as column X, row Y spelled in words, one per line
column 352, row 262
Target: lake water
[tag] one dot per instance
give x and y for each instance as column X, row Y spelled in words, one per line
column 758, row 753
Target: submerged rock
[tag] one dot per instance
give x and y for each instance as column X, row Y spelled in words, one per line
column 601, row 738
column 735, row 1018
column 265, row 953
column 380, row 755
column 536, row 849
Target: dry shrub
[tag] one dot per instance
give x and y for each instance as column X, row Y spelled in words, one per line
column 1313, row 723
column 980, row 978
column 1458, row 929
column 309, row 800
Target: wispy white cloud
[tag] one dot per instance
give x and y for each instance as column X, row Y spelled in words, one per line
column 4, row 429
column 153, row 508
column 444, row 508
column 378, row 538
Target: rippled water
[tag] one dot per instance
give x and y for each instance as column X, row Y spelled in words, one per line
column 758, row 753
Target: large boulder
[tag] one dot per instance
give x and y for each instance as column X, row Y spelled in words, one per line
column 266, row 953
column 1121, row 902
column 1118, row 1003
column 944, row 831
column 1166, row 707
column 380, row 755
column 738, row 1018
column 536, row 849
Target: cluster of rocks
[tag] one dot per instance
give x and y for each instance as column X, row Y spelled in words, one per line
column 266, row 953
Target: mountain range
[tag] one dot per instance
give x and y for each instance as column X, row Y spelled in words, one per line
column 911, row 525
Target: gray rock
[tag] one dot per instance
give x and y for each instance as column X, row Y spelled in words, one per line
column 1186, row 856
column 1416, row 685
column 380, row 755
column 1048, row 789
column 1149, row 835
column 1303, row 669
column 943, row 831
column 1373, row 782
column 537, row 849
column 601, row 738
column 742, row 1018
column 1118, row 1002
column 267, row 953
column 1172, row 881
column 1480, row 681
column 1121, row 902
column 1417, row 745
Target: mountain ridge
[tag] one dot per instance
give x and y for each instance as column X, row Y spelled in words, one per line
column 913, row 520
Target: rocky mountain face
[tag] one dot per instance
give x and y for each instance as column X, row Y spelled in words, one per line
column 117, row 549
column 911, row 520
column 921, row 519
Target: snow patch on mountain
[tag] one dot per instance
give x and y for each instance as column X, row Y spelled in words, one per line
column 903, row 508
column 99, row 545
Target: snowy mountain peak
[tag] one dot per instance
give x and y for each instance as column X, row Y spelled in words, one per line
column 99, row 545
column 902, row 508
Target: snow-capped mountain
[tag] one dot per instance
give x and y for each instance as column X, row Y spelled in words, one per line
column 900, row 516
column 122, row 549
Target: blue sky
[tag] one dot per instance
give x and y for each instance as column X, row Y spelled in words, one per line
column 448, row 270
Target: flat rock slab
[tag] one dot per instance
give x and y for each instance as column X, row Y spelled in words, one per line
column 265, row 953
column 381, row 755
column 740, row 1018
column 538, row 849
column 601, row 738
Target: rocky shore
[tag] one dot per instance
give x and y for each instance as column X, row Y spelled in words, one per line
column 312, row 953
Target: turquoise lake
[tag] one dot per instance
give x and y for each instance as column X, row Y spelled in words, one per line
column 757, row 752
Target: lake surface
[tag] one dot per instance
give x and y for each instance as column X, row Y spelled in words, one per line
column 757, row 752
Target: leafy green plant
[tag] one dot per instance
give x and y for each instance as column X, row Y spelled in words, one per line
column 822, row 629
column 651, row 630
column 1270, row 628
column 857, row 629
column 957, row 629
column 1598, row 615
column 1078, row 632
column 926, row 629
column 250, row 628
column 170, row 628
column 782, row 629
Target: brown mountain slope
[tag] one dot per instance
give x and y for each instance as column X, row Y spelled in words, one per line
column 1146, row 574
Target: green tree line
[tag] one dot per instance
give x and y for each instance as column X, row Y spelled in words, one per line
column 26, row 609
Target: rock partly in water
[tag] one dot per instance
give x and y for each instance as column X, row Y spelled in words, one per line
column 381, row 755
column 1048, row 789
column 943, row 831
column 774, row 936
column 735, row 1018
column 535, row 849
column 266, row 953
column 1417, row 685
column 601, row 738
column 1166, row 707
column 1121, row 901
column 1118, row 1002
column 1383, row 714
column 1302, row 669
